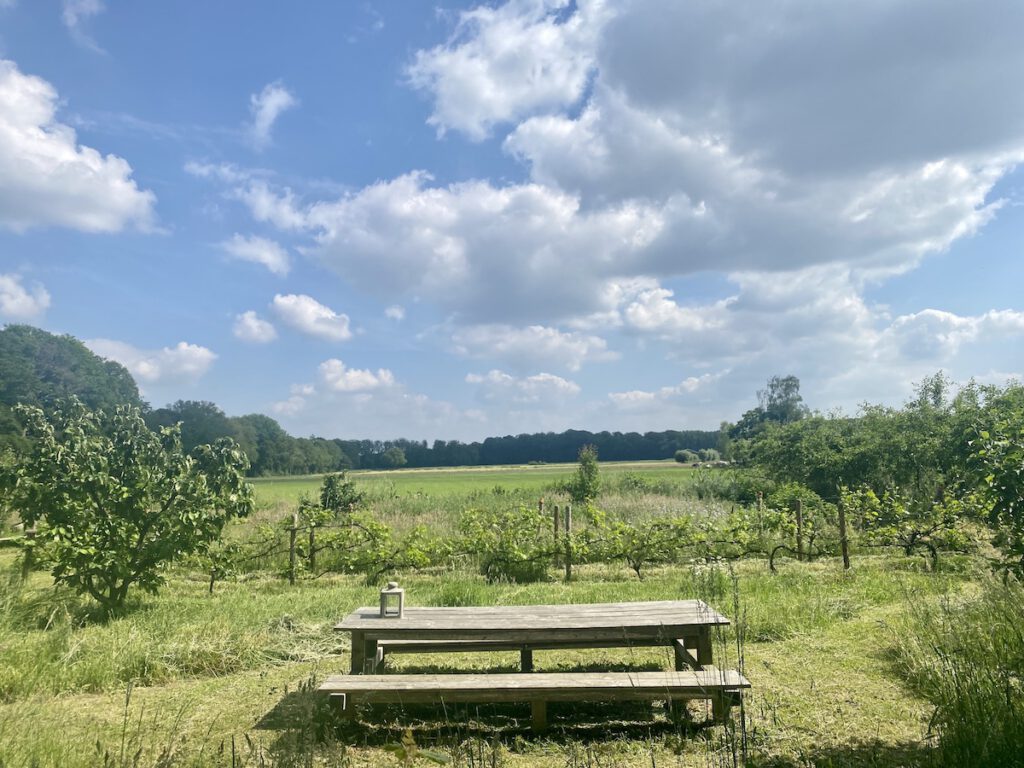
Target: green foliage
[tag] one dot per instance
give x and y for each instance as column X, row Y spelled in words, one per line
column 586, row 483
column 779, row 403
column 514, row 544
column 898, row 519
column 338, row 494
column 740, row 486
column 686, row 456
column 649, row 542
column 967, row 658
column 393, row 458
column 114, row 503
column 38, row 368
column 1000, row 452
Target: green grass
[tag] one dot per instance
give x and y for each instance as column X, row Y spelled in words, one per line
column 843, row 664
column 462, row 481
column 207, row 669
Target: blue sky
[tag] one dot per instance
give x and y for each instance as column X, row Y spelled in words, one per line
column 401, row 219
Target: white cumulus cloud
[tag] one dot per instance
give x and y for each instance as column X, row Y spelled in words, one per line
column 531, row 346
column 339, row 378
column 20, row 303
column 265, row 107
column 251, row 327
column 541, row 388
column 306, row 314
column 259, row 250
column 182, row 362
column 507, row 61
column 47, row 178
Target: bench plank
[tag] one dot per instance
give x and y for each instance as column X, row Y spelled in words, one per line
column 543, row 685
column 722, row 687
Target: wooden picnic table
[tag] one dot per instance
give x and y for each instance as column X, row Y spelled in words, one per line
column 683, row 624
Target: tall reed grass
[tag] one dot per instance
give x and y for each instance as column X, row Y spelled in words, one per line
column 966, row 656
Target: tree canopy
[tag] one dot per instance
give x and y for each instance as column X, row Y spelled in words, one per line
column 40, row 369
column 114, row 502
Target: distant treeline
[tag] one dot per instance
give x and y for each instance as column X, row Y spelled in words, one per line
column 272, row 451
column 39, row 368
column 539, row 447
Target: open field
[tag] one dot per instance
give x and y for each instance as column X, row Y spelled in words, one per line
column 534, row 478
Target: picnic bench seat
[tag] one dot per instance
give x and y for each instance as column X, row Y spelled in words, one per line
column 721, row 687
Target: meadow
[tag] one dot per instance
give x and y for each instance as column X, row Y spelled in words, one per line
column 445, row 481
column 844, row 665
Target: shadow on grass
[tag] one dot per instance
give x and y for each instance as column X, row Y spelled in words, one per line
column 627, row 665
column 862, row 754
column 305, row 715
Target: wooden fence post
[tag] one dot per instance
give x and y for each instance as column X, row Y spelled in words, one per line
column 568, row 542
column 844, row 543
column 312, row 547
column 28, row 554
column 292, row 533
column 799, row 529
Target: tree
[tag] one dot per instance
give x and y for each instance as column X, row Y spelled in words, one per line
column 338, row 494
column 393, row 458
column 1000, row 451
column 115, row 503
column 686, row 456
column 39, row 368
column 779, row 402
column 586, row 483
column 202, row 422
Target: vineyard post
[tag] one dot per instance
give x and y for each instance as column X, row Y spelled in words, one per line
column 292, row 532
column 568, row 542
column 799, row 529
column 312, row 546
column 844, row 543
column 28, row 557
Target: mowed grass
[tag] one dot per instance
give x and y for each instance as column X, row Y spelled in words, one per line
column 189, row 678
column 463, row 481
column 239, row 667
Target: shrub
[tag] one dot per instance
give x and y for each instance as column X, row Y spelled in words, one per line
column 586, row 483
column 514, row 544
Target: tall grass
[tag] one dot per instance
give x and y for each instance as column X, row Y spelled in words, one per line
column 966, row 655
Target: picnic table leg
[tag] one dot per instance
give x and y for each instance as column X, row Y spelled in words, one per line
column 372, row 655
column 358, row 652
column 704, row 647
column 526, row 659
column 539, row 715
column 721, row 703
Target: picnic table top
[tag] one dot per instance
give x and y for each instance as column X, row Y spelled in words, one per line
column 578, row 616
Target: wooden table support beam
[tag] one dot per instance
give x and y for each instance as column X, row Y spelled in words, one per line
column 539, row 716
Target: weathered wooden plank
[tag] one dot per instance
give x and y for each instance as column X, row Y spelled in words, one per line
column 547, row 685
column 481, row 622
column 472, row 646
column 610, row 636
column 543, row 616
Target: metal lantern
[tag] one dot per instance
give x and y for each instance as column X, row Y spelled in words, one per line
column 392, row 601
